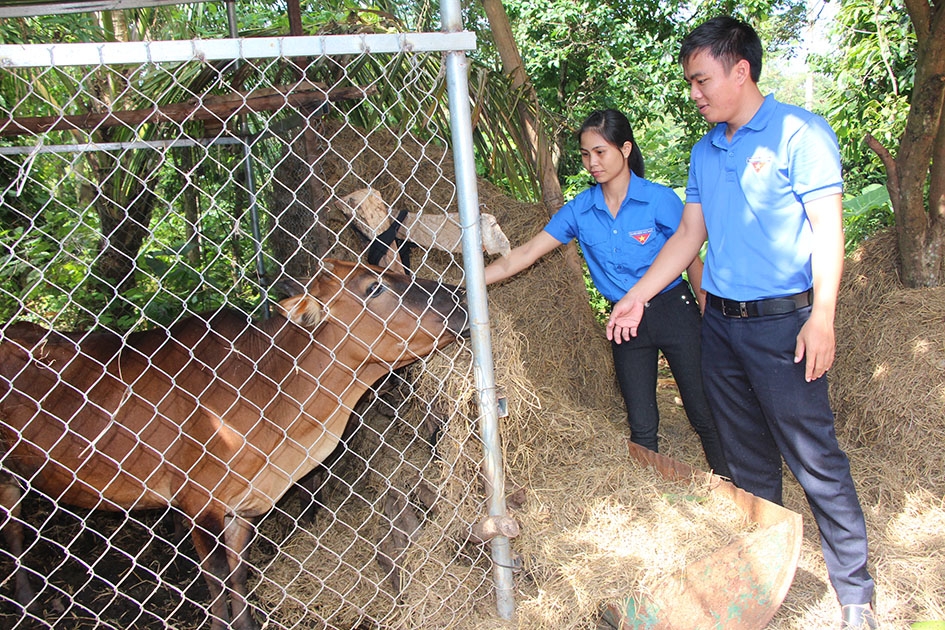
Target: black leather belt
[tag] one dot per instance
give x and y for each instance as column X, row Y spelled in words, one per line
column 760, row 308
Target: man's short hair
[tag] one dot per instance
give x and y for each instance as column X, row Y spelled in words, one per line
column 726, row 39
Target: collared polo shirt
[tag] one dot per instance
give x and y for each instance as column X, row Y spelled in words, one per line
column 753, row 190
column 618, row 251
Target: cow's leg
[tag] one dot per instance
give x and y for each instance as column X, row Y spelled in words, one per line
column 237, row 535
column 311, row 494
column 208, row 541
column 13, row 535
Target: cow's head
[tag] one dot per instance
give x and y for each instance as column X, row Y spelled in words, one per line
column 390, row 316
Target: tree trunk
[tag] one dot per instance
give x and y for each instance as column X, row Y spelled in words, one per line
column 125, row 217
column 190, row 201
column 123, row 232
column 919, row 168
column 535, row 141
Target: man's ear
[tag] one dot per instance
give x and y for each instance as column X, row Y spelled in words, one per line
column 743, row 71
column 303, row 310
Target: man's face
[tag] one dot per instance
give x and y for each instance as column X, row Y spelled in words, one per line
column 714, row 91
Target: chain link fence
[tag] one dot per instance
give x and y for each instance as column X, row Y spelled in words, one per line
column 143, row 187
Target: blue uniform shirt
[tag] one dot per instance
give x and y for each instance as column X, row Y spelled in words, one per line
column 753, row 191
column 618, row 251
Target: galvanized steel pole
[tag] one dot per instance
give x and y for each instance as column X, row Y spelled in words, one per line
column 457, row 68
column 250, row 181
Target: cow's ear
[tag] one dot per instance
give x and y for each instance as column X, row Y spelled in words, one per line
column 303, row 310
column 328, row 265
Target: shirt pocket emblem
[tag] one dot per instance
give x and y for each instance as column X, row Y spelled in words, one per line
column 760, row 163
column 641, row 236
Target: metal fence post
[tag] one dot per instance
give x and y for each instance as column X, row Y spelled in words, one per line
column 457, row 68
column 250, row 181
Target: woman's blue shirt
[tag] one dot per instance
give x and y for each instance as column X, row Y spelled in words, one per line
column 618, row 251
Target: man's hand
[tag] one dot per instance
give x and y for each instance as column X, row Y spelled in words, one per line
column 625, row 318
column 816, row 341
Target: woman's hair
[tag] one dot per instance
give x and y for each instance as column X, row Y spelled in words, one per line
column 726, row 39
column 614, row 127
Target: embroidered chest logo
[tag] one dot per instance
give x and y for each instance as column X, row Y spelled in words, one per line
column 759, row 163
column 641, row 236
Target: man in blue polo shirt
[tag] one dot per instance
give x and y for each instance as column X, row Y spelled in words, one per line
column 765, row 189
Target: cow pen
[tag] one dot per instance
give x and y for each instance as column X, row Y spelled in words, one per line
column 145, row 186
column 144, row 182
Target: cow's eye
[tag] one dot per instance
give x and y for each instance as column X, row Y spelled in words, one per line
column 375, row 289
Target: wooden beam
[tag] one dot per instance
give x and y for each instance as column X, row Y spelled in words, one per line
column 30, row 8
column 213, row 108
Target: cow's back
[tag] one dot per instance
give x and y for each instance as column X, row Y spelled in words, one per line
column 139, row 418
column 120, row 415
column 59, row 411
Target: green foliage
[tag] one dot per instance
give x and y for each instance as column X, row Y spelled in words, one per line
column 873, row 68
column 60, row 284
column 666, row 152
column 865, row 214
column 65, row 28
column 583, row 56
column 46, row 257
column 580, row 56
column 49, row 245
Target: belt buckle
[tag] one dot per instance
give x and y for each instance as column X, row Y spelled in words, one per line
column 734, row 309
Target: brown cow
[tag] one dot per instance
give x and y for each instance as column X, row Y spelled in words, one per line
column 217, row 416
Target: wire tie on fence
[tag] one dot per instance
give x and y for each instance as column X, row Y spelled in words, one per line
column 24, row 173
column 507, row 566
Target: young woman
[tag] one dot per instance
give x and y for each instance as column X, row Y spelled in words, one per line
column 621, row 224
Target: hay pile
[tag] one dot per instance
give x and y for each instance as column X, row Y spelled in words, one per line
column 888, row 392
column 889, row 380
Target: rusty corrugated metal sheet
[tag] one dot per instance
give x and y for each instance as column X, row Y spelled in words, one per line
column 738, row 587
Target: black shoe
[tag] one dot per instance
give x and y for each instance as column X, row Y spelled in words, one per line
column 857, row 617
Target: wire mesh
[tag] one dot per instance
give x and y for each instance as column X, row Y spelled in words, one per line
column 150, row 214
